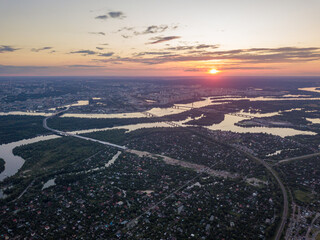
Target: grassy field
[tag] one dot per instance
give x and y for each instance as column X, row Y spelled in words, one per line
column 303, row 196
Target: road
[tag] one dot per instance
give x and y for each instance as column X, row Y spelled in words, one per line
column 298, row 158
column 311, row 226
column 283, row 189
column 196, row 167
column 62, row 133
column 249, row 155
column 135, row 220
column 268, row 167
column 24, row 191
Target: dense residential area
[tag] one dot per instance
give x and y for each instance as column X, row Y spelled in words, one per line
column 183, row 169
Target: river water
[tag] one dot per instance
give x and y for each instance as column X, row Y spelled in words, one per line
column 49, row 183
column 14, row 163
column 206, row 101
column 229, row 125
column 310, row 89
column 314, row 120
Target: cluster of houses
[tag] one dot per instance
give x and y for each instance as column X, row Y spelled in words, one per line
column 106, row 203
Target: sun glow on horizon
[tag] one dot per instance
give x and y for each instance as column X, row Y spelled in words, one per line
column 213, row 71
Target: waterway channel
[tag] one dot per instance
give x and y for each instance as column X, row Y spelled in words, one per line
column 14, row 163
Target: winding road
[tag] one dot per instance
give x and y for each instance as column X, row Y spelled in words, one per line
column 283, row 190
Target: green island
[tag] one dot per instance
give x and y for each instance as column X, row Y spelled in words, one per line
column 14, row 128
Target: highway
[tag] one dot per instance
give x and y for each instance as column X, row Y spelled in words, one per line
column 283, row 189
column 268, row 167
column 61, row 133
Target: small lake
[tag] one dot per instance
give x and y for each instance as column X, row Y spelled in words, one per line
column 49, row 183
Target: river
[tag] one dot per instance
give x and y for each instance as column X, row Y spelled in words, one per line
column 14, row 163
column 179, row 108
column 310, row 89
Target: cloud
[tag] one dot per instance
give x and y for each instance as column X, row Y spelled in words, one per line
column 40, row 49
column 119, row 15
column 99, row 48
column 192, row 47
column 98, row 33
column 151, row 53
column 84, row 66
column 125, row 29
column 202, row 46
column 236, row 56
column 196, row 70
column 9, row 69
column 109, row 54
column 91, row 52
column 180, row 48
column 48, row 70
column 156, row 40
column 246, row 68
column 112, row 14
column 102, row 17
column 84, row 52
column 228, row 68
column 153, row 29
column 5, row 48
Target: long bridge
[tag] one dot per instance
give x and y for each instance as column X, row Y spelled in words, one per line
column 62, row 133
column 148, row 114
column 212, row 111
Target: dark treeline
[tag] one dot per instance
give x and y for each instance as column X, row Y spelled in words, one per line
column 14, row 128
column 2, row 162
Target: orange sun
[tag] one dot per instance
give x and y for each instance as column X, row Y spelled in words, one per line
column 213, row 71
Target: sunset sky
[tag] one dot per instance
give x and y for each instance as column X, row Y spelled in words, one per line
column 159, row 38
